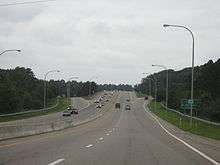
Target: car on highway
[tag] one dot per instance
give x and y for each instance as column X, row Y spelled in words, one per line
column 66, row 113
column 127, row 107
column 127, row 100
column 146, row 97
column 99, row 106
column 70, row 110
column 75, row 111
column 117, row 105
column 96, row 101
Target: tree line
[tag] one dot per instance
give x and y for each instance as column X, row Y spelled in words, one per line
column 206, row 88
column 20, row 90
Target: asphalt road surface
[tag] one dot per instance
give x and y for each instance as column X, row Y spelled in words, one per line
column 119, row 137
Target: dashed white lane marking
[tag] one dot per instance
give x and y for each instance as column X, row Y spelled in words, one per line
column 56, row 162
column 180, row 140
column 101, row 138
column 110, row 131
column 88, row 146
column 107, row 134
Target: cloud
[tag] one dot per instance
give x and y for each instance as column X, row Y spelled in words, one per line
column 115, row 39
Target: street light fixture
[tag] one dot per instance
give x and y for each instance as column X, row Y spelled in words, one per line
column 149, row 83
column 192, row 78
column 92, row 78
column 155, row 90
column 45, row 83
column 10, row 50
column 167, row 81
column 166, row 25
column 68, row 86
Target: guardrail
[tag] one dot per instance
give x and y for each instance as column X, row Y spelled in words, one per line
column 36, row 110
column 195, row 118
column 22, row 129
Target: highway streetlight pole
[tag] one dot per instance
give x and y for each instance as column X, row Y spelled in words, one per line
column 10, row 50
column 45, row 84
column 192, row 78
column 149, row 84
column 90, row 84
column 155, row 90
column 167, row 82
column 68, row 86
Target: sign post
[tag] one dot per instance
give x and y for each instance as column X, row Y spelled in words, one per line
column 188, row 103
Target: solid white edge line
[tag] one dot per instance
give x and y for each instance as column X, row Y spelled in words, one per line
column 180, row 140
column 56, row 162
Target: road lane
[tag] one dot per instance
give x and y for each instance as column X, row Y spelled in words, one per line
column 133, row 138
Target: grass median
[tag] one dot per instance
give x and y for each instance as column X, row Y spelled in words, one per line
column 62, row 105
column 198, row 127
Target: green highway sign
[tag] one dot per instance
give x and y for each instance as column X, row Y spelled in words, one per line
column 187, row 103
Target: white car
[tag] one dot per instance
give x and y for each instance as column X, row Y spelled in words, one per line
column 99, row 106
column 96, row 101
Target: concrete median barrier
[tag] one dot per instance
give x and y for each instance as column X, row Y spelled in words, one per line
column 22, row 129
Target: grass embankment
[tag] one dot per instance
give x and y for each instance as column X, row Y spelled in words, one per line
column 199, row 128
column 62, row 105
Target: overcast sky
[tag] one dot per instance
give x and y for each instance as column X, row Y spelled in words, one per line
column 115, row 40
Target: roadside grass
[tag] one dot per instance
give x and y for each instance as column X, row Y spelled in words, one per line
column 62, row 105
column 139, row 94
column 198, row 127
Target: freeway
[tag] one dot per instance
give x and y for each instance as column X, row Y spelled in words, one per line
column 55, row 121
column 119, row 137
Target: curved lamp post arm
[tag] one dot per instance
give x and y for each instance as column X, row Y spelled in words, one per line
column 11, row 50
column 192, row 79
column 45, row 76
column 45, row 91
column 180, row 26
column 72, row 78
column 162, row 66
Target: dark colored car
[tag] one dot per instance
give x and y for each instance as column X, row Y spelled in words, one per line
column 72, row 110
column 128, row 100
column 75, row 111
column 146, row 97
column 66, row 113
column 117, row 105
column 128, row 107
